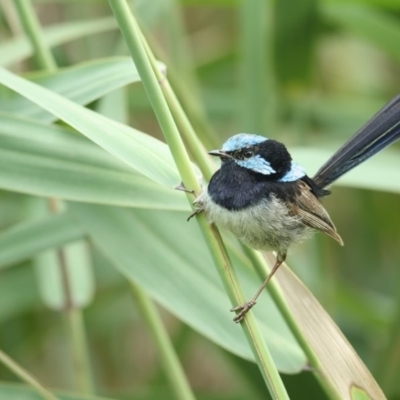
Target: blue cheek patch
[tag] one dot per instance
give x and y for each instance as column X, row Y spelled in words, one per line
column 257, row 164
column 241, row 141
column 295, row 173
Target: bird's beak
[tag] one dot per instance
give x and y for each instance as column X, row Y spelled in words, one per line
column 219, row 153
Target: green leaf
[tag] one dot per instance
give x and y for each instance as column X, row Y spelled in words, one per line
column 52, row 161
column 27, row 239
column 144, row 153
column 378, row 28
column 82, row 84
column 18, row 49
column 172, row 264
column 359, row 394
column 21, row 392
column 114, row 105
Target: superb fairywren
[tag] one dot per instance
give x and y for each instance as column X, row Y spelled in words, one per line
column 268, row 201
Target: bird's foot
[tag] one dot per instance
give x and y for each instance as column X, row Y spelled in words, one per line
column 199, row 210
column 243, row 310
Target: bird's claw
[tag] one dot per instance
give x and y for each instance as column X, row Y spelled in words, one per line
column 243, row 310
column 195, row 212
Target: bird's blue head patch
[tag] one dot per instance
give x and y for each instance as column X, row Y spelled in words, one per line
column 242, row 140
column 247, row 151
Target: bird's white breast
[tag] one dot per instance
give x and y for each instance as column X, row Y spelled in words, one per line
column 267, row 225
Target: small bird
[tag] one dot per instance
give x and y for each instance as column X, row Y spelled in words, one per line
column 268, row 201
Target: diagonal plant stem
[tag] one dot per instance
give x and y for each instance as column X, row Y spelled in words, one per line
column 132, row 35
column 33, row 31
column 26, row 376
column 194, row 144
column 187, row 88
column 169, row 358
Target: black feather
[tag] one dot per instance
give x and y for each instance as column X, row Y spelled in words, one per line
column 382, row 130
column 235, row 188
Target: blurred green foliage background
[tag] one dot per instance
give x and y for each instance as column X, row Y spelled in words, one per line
column 308, row 73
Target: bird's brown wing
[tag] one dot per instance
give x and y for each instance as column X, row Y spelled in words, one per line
column 312, row 213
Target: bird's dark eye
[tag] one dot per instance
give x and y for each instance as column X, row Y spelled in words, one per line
column 248, row 154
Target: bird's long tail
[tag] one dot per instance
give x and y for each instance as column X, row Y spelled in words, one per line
column 381, row 131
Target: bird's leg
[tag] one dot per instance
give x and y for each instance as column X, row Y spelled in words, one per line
column 243, row 309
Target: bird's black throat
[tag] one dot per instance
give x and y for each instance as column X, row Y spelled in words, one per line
column 235, row 188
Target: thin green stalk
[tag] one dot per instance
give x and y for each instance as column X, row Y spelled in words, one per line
column 132, row 35
column 75, row 322
column 33, row 31
column 10, row 15
column 46, row 61
column 192, row 105
column 172, row 366
column 80, row 354
column 253, row 335
column 195, row 146
column 179, row 47
column 26, row 377
column 187, row 88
